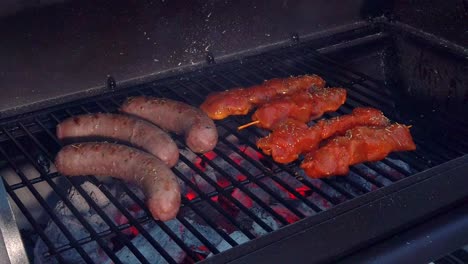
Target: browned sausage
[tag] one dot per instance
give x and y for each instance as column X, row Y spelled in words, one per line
column 158, row 182
column 125, row 128
column 200, row 131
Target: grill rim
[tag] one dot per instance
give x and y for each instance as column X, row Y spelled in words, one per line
column 446, row 230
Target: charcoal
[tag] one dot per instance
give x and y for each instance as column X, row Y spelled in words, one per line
column 402, row 165
column 356, row 178
column 261, row 213
column 259, row 192
column 319, row 201
column 193, row 176
column 178, row 254
column 148, row 251
column 284, row 212
column 372, row 174
column 302, row 207
column 237, row 236
column 223, row 173
column 204, row 230
column 74, row 226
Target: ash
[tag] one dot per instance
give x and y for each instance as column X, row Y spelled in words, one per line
column 75, row 227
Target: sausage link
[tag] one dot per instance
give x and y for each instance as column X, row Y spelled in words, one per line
column 158, row 182
column 199, row 130
column 125, row 128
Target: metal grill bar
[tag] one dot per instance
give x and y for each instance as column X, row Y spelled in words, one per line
column 44, row 204
column 93, row 204
column 362, row 90
column 208, row 199
column 86, row 197
column 234, row 132
column 373, row 167
column 272, row 176
column 266, row 172
column 33, row 222
column 250, row 82
column 349, row 102
column 287, row 169
column 171, row 234
column 229, row 197
column 224, row 194
column 352, row 99
column 32, row 181
column 367, row 94
column 114, row 201
column 222, row 233
column 352, row 169
column 251, row 178
column 135, row 223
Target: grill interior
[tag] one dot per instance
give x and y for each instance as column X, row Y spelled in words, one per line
column 277, row 195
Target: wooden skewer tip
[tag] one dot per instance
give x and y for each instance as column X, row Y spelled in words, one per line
column 248, row 124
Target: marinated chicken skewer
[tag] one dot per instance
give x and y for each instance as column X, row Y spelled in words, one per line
column 301, row 106
column 292, row 138
column 240, row 101
column 360, row 144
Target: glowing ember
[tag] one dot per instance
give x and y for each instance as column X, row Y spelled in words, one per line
column 243, row 198
column 303, row 191
column 201, row 164
column 120, row 219
column 254, row 154
column 241, row 177
column 190, row 196
column 288, row 215
column 223, row 183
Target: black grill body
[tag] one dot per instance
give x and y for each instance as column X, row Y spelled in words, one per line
column 387, row 56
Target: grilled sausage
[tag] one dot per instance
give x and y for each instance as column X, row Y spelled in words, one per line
column 125, row 128
column 158, row 182
column 199, row 130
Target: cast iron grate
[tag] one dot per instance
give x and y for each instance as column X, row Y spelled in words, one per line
column 31, row 140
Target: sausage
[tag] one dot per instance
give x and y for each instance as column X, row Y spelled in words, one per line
column 158, row 182
column 199, row 130
column 125, row 128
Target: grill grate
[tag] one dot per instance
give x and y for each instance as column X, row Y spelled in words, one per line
column 31, row 140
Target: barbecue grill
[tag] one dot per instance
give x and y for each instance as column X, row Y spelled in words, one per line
column 63, row 59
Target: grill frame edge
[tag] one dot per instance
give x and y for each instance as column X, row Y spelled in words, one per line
column 294, row 243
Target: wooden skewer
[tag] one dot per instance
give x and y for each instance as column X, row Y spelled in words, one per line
column 248, row 124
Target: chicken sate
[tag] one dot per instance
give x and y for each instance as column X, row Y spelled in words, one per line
column 301, row 106
column 360, row 144
column 240, row 101
column 292, row 138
